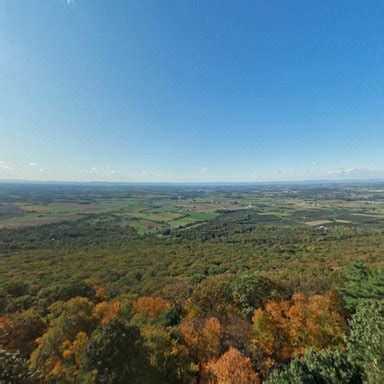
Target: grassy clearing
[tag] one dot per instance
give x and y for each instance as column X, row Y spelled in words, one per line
column 203, row 216
column 318, row 222
column 186, row 221
column 140, row 228
column 35, row 219
column 364, row 214
column 159, row 217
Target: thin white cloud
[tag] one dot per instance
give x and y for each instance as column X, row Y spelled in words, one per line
column 358, row 173
column 146, row 173
column 33, row 164
column 100, row 171
column 4, row 165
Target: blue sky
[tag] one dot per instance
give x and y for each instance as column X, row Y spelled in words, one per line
column 207, row 90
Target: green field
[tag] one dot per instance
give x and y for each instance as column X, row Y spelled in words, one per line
column 145, row 210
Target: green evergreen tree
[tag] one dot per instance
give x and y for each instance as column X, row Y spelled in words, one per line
column 330, row 366
column 360, row 283
column 366, row 341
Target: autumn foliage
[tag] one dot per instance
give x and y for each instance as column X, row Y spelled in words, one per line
column 202, row 338
column 211, row 336
column 231, row 368
column 152, row 340
column 288, row 329
column 107, row 311
column 151, row 306
column 18, row 332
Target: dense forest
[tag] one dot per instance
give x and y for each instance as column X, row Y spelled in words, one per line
column 216, row 284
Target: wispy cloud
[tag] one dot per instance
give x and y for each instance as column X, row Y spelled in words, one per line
column 100, row 171
column 5, row 165
column 200, row 174
column 358, row 173
column 108, row 172
column 146, row 173
column 33, row 164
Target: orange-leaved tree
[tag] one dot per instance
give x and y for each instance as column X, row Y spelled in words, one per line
column 151, row 307
column 202, row 338
column 231, row 368
column 107, row 311
column 288, row 329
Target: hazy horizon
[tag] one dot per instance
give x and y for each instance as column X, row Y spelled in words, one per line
column 197, row 183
